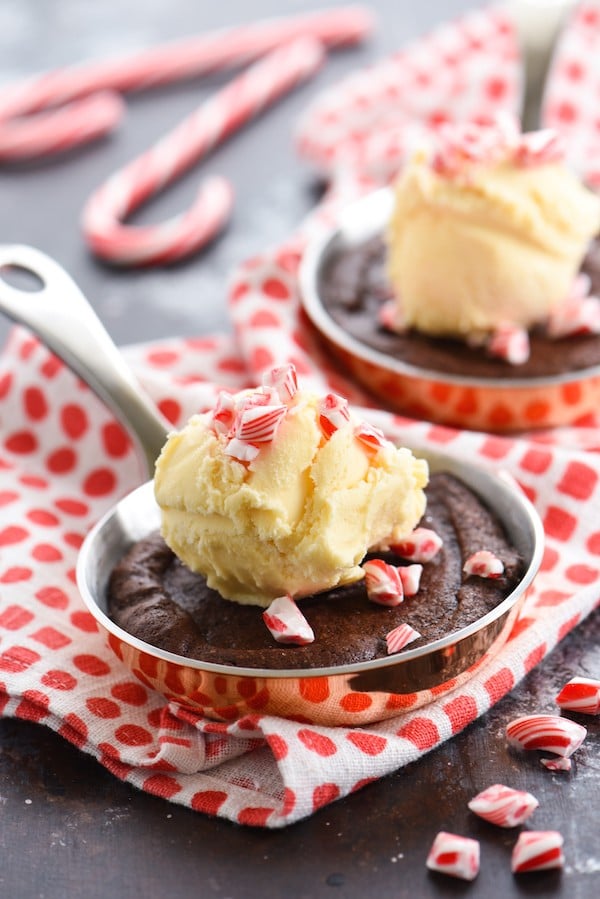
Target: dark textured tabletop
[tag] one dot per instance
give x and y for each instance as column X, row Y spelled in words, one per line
column 68, row 827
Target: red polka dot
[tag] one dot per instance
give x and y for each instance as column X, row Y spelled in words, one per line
column 72, row 507
column 461, row 711
column 99, row 482
column 149, row 664
column 74, row 421
column 53, row 597
column 370, row 744
column 103, row 708
column 422, row 732
column 162, row 785
column 565, row 112
column 45, row 552
column 17, row 659
column 208, row 801
column 551, row 598
column 74, row 729
column 559, row 523
column 278, row 746
column 567, row 627
column 231, row 364
column 84, row 621
column 171, row 409
column 536, row 460
column 318, row 743
column 521, row 625
column 28, row 347
column 163, row 358
column 72, row 539
column 31, row 480
column 130, row 692
column 12, row 534
column 42, row 517
column 51, row 367
column 256, row 817
column 33, row 706
column 7, row 497
column 289, row 802
column 15, row 574
column 582, row 574
column 91, row 664
column 324, row 794
column 21, row 442
column 51, row 638
column 499, row 684
column 59, row 680
column 264, row 318
column 115, row 440
column 496, row 88
column 579, row 480
column 534, row 657
column 495, row 447
column 441, row 434
column 133, row 735
column 261, row 358
column 5, row 384
column 35, row 403
column 356, row 702
column 314, row 689
column 15, row 617
column 276, row 289
column 549, row 559
column 61, row 460
column 593, row 543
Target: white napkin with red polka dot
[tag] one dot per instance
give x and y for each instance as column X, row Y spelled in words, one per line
column 64, row 461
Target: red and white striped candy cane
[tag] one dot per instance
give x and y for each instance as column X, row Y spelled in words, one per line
column 96, row 85
column 246, row 96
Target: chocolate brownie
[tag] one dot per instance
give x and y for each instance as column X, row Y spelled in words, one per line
column 354, row 285
column 154, row 597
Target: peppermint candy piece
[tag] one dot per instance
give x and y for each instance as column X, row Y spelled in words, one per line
column 410, row 575
column 503, row 806
column 558, row 764
column 580, row 694
column 550, row 732
column 372, row 438
column 576, row 315
column 285, row 381
column 391, row 318
column 484, row 564
column 539, row 148
column 510, row 343
column 537, row 850
column 259, row 424
column 333, row 413
column 383, row 582
column 400, row 637
column 286, row 622
column 223, row 414
column 241, row 450
column 421, row 546
column 454, row 855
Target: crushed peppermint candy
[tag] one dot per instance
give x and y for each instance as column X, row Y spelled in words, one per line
column 400, row 637
column 550, row 732
column 410, row 575
column 241, row 450
column 284, row 380
column 503, row 806
column 420, row 546
column 286, row 622
column 371, row 437
column 391, row 317
column 537, row 850
column 510, row 343
column 558, row 764
column 580, row 694
column 383, row 582
column 484, row 564
column 259, row 423
column 454, row 855
column 334, row 413
column 539, row 148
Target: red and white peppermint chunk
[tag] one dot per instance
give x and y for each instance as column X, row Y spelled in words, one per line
column 539, row 148
column 410, row 575
column 420, row 546
column 454, row 855
column 503, row 806
column 550, row 732
column 484, row 564
column 557, row 764
column 537, row 850
column 383, row 582
column 286, row 622
column 285, row 381
column 224, row 412
column 371, row 437
column 391, row 317
column 580, row 694
column 259, row 424
column 241, row 450
column 510, row 343
column 333, row 413
column 579, row 313
column 400, row 637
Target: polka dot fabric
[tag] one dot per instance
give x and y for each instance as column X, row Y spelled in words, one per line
column 64, row 461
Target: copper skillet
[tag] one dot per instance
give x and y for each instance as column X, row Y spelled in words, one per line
column 346, row 695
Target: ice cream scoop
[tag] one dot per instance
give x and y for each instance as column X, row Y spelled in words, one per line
column 489, row 229
column 281, row 491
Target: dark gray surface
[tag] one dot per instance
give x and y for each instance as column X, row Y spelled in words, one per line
column 69, row 828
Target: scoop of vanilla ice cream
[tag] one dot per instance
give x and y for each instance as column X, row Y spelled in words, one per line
column 298, row 518
column 502, row 243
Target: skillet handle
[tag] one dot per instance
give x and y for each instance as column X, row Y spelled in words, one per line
column 64, row 320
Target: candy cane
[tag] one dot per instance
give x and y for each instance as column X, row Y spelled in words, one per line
column 210, row 124
column 93, row 116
